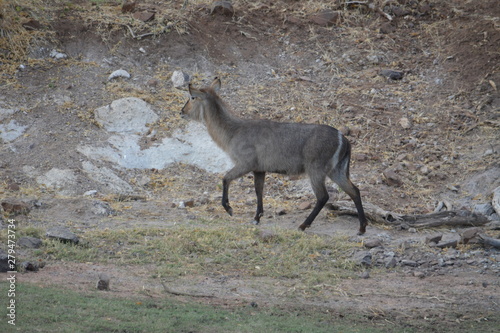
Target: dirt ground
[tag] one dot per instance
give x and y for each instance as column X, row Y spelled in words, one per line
column 436, row 129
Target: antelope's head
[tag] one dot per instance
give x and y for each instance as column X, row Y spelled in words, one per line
column 200, row 101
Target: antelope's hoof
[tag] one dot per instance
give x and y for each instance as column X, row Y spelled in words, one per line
column 303, row 226
column 229, row 210
column 255, row 222
column 361, row 232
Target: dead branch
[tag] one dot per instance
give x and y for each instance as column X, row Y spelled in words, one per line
column 490, row 241
column 376, row 214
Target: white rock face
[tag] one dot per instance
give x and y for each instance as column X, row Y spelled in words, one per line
column 192, row 146
column 126, row 115
column 107, row 177
column 11, row 131
column 61, row 180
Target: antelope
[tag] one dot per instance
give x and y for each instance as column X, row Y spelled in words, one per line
column 261, row 146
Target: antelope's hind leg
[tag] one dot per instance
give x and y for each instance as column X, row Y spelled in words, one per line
column 341, row 177
column 259, row 178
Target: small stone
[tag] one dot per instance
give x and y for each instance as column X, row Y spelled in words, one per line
column 419, row 274
column 119, row 73
column 360, row 157
column 393, row 75
column 387, row 28
column 281, row 211
column 90, row 193
column 58, row 55
column 445, row 244
column 267, row 236
column 365, row 275
column 28, row 266
column 363, row 258
column 405, row 123
column 412, row 230
column 13, row 187
column 63, row 235
column 391, row 262
column 436, row 238
column 222, row 8
column 29, row 242
column 469, row 234
column 180, row 79
column 102, row 208
column 103, row 282
column 392, row 178
column 305, row 205
column 326, row 18
column 128, row 6
column 407, row 262
column 189, row 203
column 371, row 243
column 152, row 82
column 144, row 16
column 15, row 207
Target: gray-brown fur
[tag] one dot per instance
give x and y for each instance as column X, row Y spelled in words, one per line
column 261, row 146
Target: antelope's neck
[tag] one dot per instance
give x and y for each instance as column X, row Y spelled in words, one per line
column 221, row 125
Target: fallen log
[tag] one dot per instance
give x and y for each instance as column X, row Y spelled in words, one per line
column 490, row 241
column 375, row 214
column 453, row 218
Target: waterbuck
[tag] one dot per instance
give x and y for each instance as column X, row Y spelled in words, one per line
column 261, row 146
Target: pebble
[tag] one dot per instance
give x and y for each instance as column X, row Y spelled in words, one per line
column 180, row 79
column 119, row 73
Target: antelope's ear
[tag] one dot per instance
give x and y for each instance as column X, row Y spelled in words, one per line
column 194, row 92
column 216, row 84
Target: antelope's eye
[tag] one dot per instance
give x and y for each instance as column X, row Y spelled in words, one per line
column 193, row 98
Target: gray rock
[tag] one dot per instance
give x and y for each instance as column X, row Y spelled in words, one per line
column 58, row 55
column 102, row 208
column 408, row 262
column 363, row 258
column 393, row 75
column 119, row 73
column 62, row 234
column 103, row 282
column 435, row 238
column 365, row 275
column 28, row 266
column 29, row 242
column 371, row 243
column 180, row 79
column 126, row 115
column 485, row 209
column 222, row 8
column 391, row 262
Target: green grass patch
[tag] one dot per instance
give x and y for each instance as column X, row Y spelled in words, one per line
column 42, row 309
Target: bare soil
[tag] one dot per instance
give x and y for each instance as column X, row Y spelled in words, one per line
column 276, row 64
